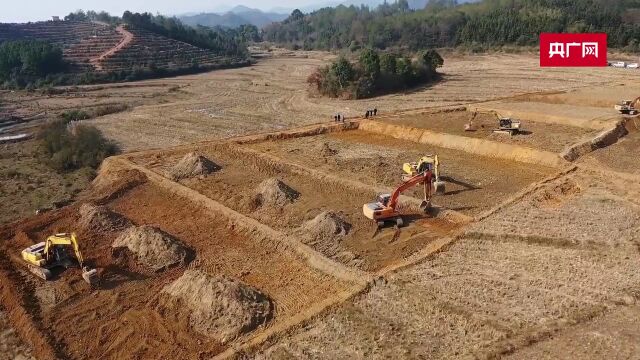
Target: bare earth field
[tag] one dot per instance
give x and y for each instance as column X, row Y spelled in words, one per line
column 517, row 278
column 273, row 95
column 516, row 260
column 538, row 135
column 473, row 183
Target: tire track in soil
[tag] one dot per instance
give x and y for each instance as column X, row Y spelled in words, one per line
column 21, row 309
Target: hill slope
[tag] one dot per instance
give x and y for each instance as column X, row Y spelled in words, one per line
column 485, row 23
column 96, row 47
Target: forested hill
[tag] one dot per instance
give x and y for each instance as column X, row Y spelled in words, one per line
column 444, row 23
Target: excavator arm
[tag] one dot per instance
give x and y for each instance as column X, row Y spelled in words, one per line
column 424, row 178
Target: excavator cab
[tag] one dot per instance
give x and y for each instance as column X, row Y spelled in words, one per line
column 383, row 199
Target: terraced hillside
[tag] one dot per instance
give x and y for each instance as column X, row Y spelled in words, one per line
column 148, row 49
column 97, row 47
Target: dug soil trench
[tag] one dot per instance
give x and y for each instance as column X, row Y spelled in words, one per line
column 130, row 314
column 237, row 185
column 537, row 135
column 473, row 183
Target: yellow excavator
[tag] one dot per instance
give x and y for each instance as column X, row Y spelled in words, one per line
column 425, row 163
column 57, row 250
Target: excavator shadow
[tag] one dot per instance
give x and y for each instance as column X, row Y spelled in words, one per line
column 113, row 276
column 391, row 232
column 465, row 185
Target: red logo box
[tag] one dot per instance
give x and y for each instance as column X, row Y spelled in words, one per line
column 573, row 49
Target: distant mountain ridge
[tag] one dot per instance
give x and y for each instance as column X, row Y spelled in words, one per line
column 237, row 16
column 243, row 15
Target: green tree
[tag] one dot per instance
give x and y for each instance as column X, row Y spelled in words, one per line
column 343, row 71
column 388, row 63
column 432, row 59
column 370, row 63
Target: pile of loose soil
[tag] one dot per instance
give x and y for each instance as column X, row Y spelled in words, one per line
column 101, row 218
column 325, row 233
column 556, row 194
column 111, row 182
column 275, row 193
column 153, row 247
column 220, row 307
column 192, row 165
column 326, row 150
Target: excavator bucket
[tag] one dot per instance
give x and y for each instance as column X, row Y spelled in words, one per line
column 439, row 187
column 425, row 205
column 90, row 276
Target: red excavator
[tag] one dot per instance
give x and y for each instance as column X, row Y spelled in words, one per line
column 385, row 207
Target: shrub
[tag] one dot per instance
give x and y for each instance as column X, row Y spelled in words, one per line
column 75, row 115
column 375, row 74
column 73, row 147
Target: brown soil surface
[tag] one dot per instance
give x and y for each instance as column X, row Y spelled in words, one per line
column 620, row 156
column 11, row 346
column 570, row 211
column 485, row 296
column 564, row 278
column 235, row 189
column 325, row 233
column 122, row 318
column 273, row 95
column 473, row 183
column 590, row 96
column 218, row 306
column 542, row 136
column 562, row 114
column 614, row 334
column 506, row 292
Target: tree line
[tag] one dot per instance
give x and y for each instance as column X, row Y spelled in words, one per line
column 22, row 62
column 375, row 74
column 444, row 23
column 224, row 41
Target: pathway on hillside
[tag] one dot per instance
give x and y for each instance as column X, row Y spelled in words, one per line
column 127, row 37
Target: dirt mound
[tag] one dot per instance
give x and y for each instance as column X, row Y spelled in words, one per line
column 192, row 165
column 327, row 226
column 325, row 233
column 153, row 247
column 273, row 192
column 101, row 218
column 220, row 307
column 326, row 150
column 113, row 180
column 556, row 194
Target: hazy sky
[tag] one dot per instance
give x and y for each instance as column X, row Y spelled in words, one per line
column 32, row 10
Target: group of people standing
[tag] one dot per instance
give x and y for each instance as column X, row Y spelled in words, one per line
column 369, row 113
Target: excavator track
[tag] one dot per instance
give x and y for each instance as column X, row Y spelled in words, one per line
column 42, row 273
